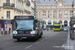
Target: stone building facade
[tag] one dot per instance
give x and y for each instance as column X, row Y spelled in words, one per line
column 50, row 10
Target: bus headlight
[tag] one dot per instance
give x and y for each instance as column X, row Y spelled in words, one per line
column 74, row 26
column 32, row 32
column 14, row 32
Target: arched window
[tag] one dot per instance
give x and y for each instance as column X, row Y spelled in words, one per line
column 44, row 22
column 49, row 22
column 65, row 23
column 60, row 21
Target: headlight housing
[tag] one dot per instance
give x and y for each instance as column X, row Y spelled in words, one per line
column 32, row 32
column 74, row 25
column 14, row 32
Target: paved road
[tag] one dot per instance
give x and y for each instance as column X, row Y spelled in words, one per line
column 47, row 42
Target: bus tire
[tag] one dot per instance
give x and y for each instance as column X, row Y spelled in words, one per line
column 41, row 35
column 18, row 39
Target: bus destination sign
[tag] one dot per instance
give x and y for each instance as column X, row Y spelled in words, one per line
column 24, row 17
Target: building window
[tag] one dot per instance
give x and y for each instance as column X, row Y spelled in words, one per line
column 71, row 15
column 45, row 7
column 39, row 14
column 60, row 15
column 44, row 15
column 65, row 11
column 60, row 21
column 49, row 11
column 49, row 22
column 74, row 12
column 50, row 6
column 49, row 15
column 8, row 14
column 65, row 23
column 60, row 11
column 65, row 15
column 36, row 6
column 54, row 11
column 54, row 15
column 70, row 6
column 66, row 6
column 53, row 6
column 71, row 11
column 44, row 11
column 7, row 1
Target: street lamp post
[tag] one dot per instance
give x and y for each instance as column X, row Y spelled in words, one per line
column 23, row 7
column 73, row 7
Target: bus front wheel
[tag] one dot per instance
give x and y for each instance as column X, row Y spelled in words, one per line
column 18, row 39
column 41, row 35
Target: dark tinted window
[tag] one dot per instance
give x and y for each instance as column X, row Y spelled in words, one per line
column 56, row 26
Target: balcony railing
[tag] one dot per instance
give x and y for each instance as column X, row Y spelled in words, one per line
column 28, row 3
column 9, row 4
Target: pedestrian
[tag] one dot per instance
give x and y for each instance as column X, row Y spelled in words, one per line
column 2, row 31
column 5, row 31
column 9, row 30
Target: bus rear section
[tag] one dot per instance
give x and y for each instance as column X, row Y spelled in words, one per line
column 26, row 27
column 57, row 27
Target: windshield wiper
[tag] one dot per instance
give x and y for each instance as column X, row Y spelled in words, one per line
column 19, row 28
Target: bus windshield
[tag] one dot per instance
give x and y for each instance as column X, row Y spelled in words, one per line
column 24, row 24
column 56, row 22
column 56, row 26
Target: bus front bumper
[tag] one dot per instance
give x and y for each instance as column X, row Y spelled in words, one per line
column 24, row 36
column 57, row 29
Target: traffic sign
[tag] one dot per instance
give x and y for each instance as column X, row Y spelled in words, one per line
column 5, row 22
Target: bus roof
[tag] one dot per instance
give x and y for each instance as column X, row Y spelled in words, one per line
column 24, row 17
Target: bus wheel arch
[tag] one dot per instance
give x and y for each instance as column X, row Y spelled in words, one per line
column 18, row 39
column 41, row 34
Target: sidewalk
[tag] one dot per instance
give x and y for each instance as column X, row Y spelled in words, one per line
column 5, row 35
column 72, row 43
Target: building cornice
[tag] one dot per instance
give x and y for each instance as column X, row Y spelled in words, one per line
column 55, row 9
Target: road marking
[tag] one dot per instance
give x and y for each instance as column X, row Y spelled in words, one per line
column 42, row 39
column 28, row 46
column 64, row 46
column 46, row 38
column 36, row 43
column 8, row 42
column 67, row 47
